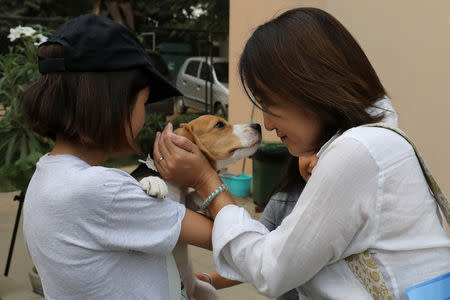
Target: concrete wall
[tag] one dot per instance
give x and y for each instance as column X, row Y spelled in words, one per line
column 407, row 42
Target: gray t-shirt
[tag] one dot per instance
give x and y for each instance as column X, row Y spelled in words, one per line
column 280, row 206
column 93, row 233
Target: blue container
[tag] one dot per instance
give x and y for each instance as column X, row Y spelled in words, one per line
column 437, row 288
column 239, row 184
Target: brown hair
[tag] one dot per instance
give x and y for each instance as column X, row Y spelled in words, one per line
column 306, row 56
column 91, row 108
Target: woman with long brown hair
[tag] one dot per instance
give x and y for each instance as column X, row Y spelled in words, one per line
column 367, row 193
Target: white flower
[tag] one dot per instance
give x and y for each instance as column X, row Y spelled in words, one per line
column 39, row 39
column 27, row 31
column 19, row 31
column 13, row 34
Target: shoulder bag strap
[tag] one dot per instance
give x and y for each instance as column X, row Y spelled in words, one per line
column 435, row 189
column 362, row 264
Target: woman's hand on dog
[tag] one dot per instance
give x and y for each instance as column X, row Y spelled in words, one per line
column 183, row 164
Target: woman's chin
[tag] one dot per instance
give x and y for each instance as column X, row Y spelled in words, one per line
column 292, row 150
column 295, row 151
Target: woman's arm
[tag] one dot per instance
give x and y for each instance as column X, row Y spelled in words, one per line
column 196, row 230
column 217, row 281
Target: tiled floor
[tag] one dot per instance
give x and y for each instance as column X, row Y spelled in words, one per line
column 17, row 286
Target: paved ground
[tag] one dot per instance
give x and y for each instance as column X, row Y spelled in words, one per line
column 17, row 286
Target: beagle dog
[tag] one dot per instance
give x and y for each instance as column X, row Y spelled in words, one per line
column 223, row 144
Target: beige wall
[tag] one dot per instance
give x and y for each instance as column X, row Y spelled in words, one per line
column 408, row 43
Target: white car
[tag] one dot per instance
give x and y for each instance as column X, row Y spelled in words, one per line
column 193, row 82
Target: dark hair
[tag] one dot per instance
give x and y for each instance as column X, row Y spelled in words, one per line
column 91, row 108
column 306, row 56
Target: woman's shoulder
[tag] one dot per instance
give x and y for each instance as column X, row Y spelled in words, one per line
column 378, row 138
column 69, row 167
column 104, row 177
column 372, row 134
column 383, row 145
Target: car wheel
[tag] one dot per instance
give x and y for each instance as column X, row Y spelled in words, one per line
column 179, row 106
column 219, row 110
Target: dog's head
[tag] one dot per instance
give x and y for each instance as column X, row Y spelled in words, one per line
column 222, row 142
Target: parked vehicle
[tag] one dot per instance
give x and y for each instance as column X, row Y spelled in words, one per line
column 166, row 105
column 193, row 81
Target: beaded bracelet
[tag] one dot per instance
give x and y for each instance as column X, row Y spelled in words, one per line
column 205, row 204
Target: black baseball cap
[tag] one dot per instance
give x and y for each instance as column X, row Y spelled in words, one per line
column 93, row 43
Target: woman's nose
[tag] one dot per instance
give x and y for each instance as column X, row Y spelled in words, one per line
column 268, row 122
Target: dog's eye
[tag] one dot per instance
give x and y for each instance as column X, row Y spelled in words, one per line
column 219, row 124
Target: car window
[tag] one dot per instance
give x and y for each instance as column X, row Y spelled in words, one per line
column 205, row 72
column 221, row 69
column 192, row 68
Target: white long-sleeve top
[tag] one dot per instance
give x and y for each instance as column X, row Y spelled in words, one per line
column 367, row 191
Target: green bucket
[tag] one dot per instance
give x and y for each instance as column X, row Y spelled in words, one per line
column 268, row 165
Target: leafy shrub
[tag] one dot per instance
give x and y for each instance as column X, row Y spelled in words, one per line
column 154, row 122
column 20, row 148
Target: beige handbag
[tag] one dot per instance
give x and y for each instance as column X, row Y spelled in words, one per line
column 362, row 264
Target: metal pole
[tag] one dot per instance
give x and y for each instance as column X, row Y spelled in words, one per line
column 206, row 86
column 19, row 198
column 251, row 122
column 211, row 80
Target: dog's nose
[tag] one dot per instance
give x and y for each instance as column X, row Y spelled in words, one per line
column 256, row 126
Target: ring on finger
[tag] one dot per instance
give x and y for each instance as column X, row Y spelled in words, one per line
column 160, row 159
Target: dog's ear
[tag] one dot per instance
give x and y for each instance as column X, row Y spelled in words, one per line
column 188, row 132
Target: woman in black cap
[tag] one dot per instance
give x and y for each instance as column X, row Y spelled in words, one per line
column 91, row 231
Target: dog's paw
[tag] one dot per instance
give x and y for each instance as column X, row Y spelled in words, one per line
column 154, row 186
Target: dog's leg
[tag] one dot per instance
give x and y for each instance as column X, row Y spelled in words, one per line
column 195, row 288
column 180, row 253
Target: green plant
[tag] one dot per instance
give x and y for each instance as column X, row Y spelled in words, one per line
column 20, row 148
column 154, row 122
